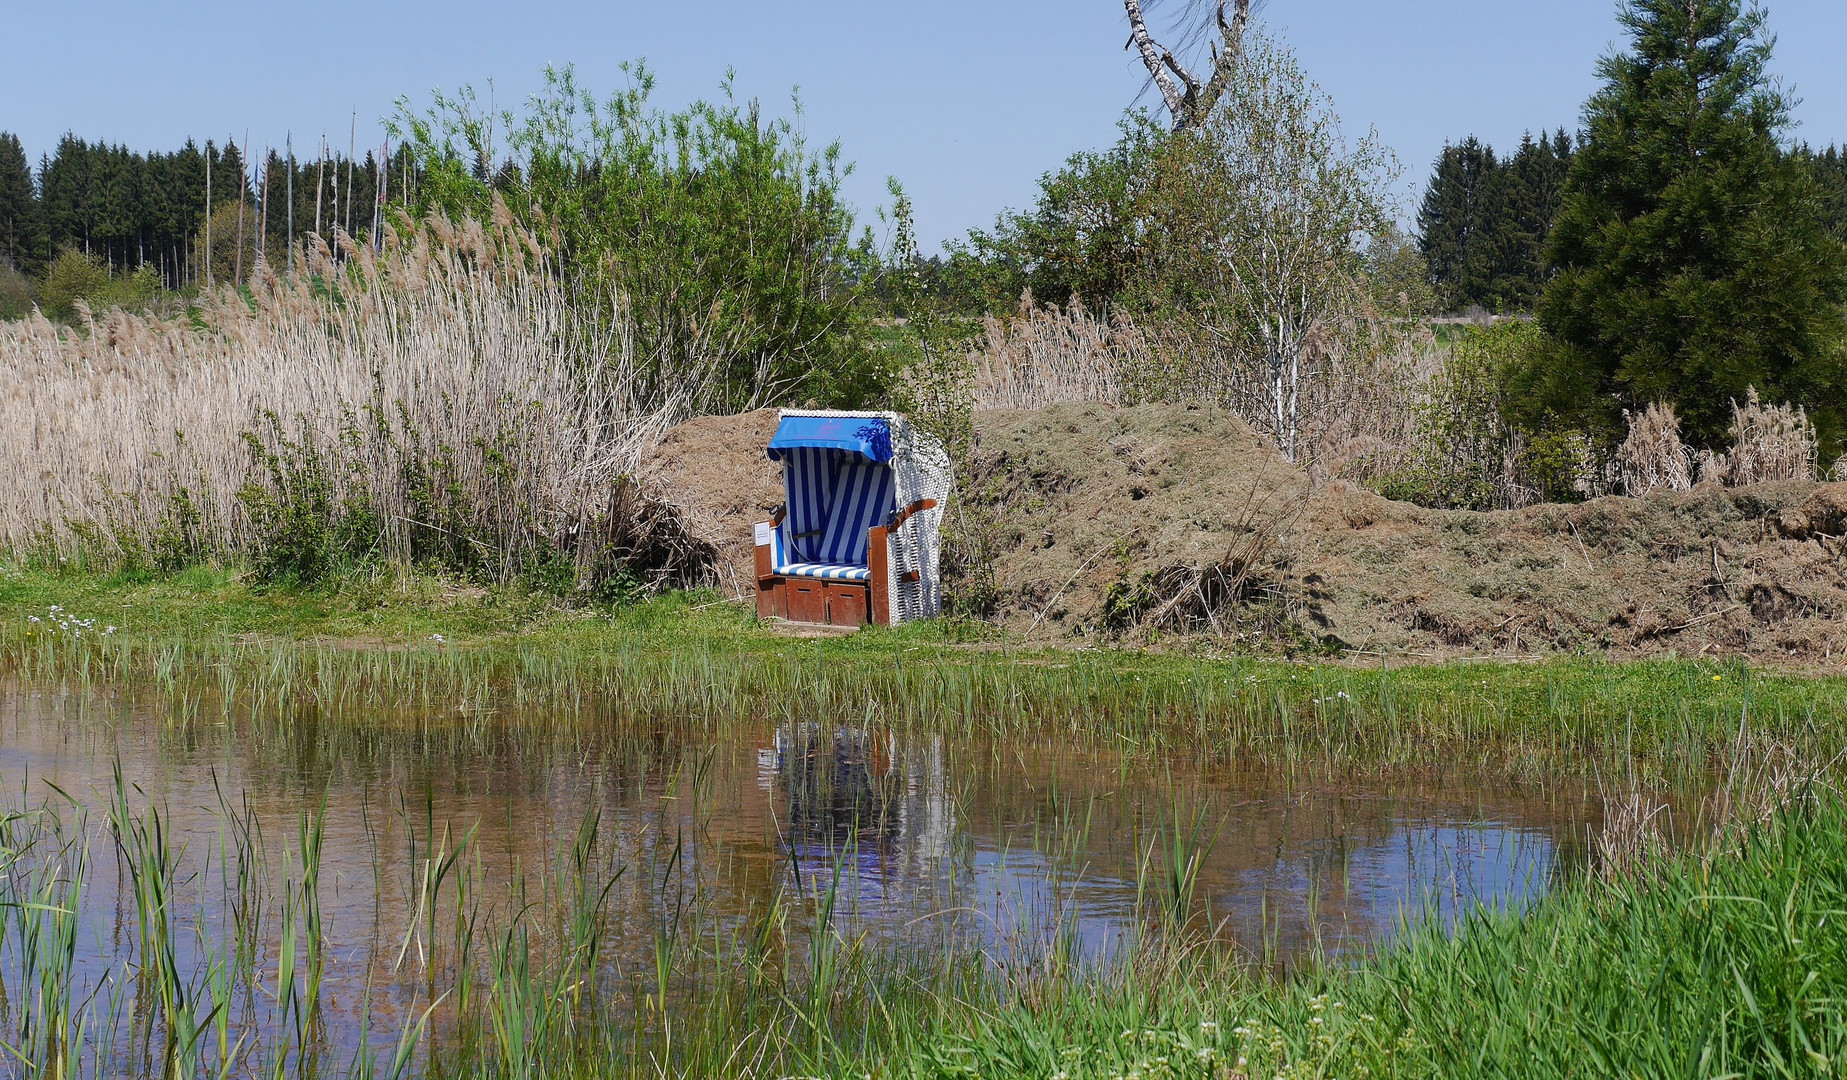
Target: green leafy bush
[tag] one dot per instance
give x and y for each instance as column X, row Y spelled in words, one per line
column 17, row 293
column 75, row 277
column 720, row 232
column 308, row 524
column 1461, row 448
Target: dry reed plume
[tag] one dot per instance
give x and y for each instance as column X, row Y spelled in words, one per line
column 446, row 375
column 1652, row 456
column 1043, row 356
column 1769, row 443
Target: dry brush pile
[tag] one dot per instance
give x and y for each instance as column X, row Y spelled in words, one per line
column 438, row 400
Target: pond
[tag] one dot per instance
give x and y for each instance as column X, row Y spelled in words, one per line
column 370, row 887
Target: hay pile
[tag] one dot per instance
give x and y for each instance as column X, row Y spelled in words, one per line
column 1085, row 521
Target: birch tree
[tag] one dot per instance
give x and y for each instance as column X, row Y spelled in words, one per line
column 1188, row 98
column 1266, row 211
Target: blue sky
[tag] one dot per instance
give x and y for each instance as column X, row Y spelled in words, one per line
column 967, row 103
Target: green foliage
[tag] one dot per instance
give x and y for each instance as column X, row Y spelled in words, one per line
column 1829, row 169
column 723, row 232
column 17, row 292
column 1398, row 275
column 1562, row 465
column 1461, row 443
column 73, row 276
column 307, row 528
column 1693, row 255
column 22, row 241
column 1086, row 235
column 179, row 540
column 937, row 388
column 1483, row 224
column 1259, row 216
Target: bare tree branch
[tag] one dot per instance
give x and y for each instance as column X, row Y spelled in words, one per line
column 1188, row 101
column 1224, row 59
column 1156, row 59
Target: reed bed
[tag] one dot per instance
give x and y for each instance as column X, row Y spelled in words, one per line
column 1769, row 443
column 440, row 399
column 680, row 673
column 1651, row 456
column 1043, row 356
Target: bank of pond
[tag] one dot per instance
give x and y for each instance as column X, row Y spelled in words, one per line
column 688, row 850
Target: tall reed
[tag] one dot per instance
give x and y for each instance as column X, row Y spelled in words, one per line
column 442, row 398
column 1043, row 355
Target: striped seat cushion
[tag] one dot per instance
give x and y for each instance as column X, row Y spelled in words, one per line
column 826, row 571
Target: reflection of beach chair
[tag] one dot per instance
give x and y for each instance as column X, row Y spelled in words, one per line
column 857, row 540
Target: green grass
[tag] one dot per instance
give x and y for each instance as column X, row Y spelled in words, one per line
column 1709, row 966
column 218, row 647
column 1724, row 962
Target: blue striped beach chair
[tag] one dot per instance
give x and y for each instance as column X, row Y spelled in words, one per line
column 856, row 542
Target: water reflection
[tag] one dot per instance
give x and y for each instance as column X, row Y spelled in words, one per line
column 912, row 841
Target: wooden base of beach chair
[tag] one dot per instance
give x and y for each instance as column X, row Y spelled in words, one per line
column 832, row 603
column 818, row 603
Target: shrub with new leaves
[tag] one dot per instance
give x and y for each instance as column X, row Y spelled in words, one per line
column 718, row 233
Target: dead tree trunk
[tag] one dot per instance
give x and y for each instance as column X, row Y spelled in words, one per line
column 1188, row 100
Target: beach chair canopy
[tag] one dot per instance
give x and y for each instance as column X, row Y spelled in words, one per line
column 867, row 436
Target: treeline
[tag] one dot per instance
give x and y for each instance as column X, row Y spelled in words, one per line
column 1485, row 218
column 124, row 210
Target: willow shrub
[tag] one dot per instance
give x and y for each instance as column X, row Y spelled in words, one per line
column 723, row 233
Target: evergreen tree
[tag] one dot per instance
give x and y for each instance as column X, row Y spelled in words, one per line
column 20, row 241
column 1692, row 255
column 1536, row 187
column 1484, row 221
column 1456, row 224
column 1830, row 171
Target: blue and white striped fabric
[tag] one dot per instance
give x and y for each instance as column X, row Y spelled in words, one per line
column 809, row 477
column 778, row 558
column 826, row 571
column 862, row 499
column 834, row 498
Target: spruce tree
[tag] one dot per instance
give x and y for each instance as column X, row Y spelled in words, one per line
column 1536, row 186
column 1830, row 170
column 1458, row 225
column 1692, row 256
column 20, row 241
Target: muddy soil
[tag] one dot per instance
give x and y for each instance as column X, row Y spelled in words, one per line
column 1084, row 521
